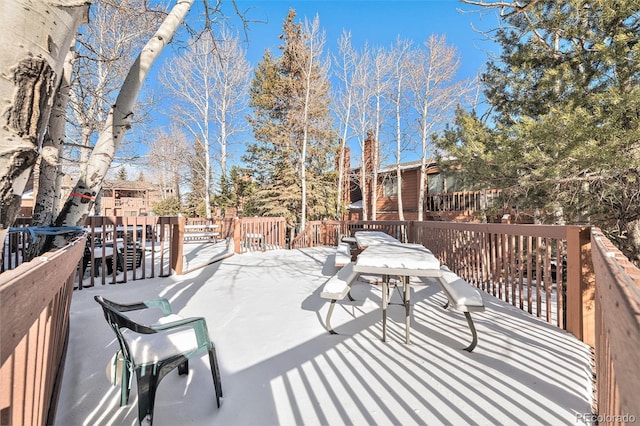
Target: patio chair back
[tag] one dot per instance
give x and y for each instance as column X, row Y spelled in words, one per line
column 133, row 259
column 118, row 321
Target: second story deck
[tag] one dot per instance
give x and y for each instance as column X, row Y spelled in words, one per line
column 280, row 366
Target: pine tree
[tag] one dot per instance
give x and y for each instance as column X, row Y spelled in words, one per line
column 196, row 198
column 566, row 100
column 292, row 128
column 122, row 173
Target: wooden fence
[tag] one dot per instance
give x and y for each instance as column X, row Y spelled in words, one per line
column 34, row 328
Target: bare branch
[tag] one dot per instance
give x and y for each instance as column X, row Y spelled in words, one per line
column 516, row 6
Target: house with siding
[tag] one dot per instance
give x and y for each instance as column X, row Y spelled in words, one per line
column 446, row 198
column 129, row 198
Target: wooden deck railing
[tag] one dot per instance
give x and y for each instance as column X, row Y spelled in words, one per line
column 463, row 201
column 34, row 327
column 329, row 232
column 15, row 248
column 570, row 276
column 159, row 239
column 543, row 269
column 153, row 235
column 156, row 238
column 259, row 234
column 617, row 323
column 225, row 224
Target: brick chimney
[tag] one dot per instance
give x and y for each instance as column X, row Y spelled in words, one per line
column 368, row 153
column 346, row 173
column 369, row 144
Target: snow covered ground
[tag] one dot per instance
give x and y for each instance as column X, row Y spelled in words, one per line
column 279, row 365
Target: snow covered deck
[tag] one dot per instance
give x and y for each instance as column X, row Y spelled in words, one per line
column 279, row 365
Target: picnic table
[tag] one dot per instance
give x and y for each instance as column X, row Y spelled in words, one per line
column 370, row 238
column 385, row 255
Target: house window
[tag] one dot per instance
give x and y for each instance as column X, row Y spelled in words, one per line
column 435, row 183
column 390, row 186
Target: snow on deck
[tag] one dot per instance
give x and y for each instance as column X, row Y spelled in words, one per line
column 279, row 365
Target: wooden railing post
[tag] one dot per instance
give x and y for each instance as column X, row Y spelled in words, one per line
column 580, row 285
column 323, row 233
column 177, row 244
column 236, row 235
column 411, row 238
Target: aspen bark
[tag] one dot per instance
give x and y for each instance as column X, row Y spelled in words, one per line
column 36, row 36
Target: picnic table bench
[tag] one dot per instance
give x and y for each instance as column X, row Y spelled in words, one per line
column 337, row 287
column 255, row 240
column 462, row 297
column 206, row 232
column 343, row 255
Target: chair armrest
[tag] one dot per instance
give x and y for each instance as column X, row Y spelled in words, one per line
column 162, row 303
column 198, row 324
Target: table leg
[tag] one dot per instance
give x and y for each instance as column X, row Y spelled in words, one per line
column 385, row 286
column 407, row 309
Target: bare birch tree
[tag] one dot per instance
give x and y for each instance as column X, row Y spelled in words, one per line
column 210, row 82
column 168, row 160
column 31, row 64
column 93, row 70
column 362, row 114
column 343, row 105
column 399, row 60
column 107, row 48
column 230, row 89
column 313, row 71
column 48, row 196
column 189, row 78
column 380, row 89
column 435, row 95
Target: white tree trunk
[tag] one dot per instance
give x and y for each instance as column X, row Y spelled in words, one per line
column 347, row 58
column 31, row 60
column 399, row 153
column 47, row 201
column 82, row 197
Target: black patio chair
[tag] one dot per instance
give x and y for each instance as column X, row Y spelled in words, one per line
column 97, row 264
column 132, row 259
column 152, row 351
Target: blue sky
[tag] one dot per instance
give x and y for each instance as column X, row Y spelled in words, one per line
column 377, row 22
